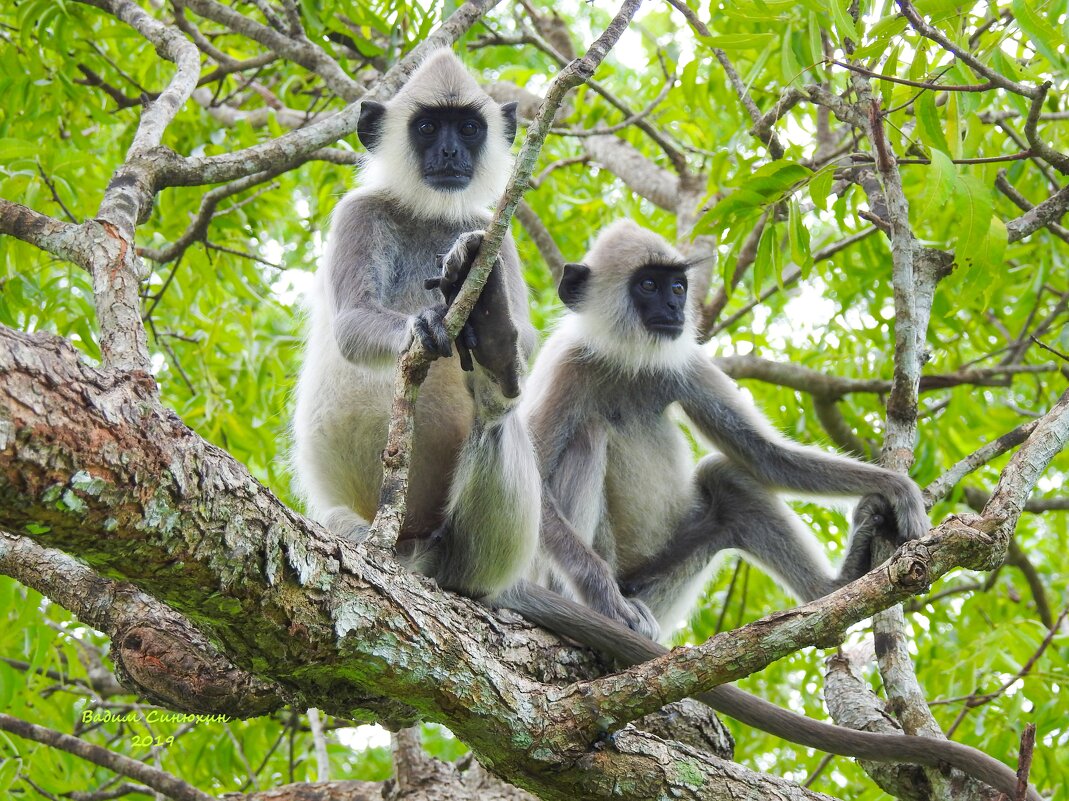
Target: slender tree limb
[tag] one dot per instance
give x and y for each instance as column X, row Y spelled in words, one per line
column 977, row 66
column 942, row 486
column 159, row 781
column 834, row 423
column 670, row 149
column 790, row 277
column 935, row 87
column 171, row 45
column 1026, row 465
column 1019, row 559
column 638, row 116
column 542, row 237
column 1045, row 214
column 763, row 132
column 299, row 50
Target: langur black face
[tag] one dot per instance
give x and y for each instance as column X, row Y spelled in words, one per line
column 447, row 141
column 659, row 295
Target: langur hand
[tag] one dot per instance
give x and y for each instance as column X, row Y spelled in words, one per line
column 429, row 328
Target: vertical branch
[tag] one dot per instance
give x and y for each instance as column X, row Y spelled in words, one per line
column 118, row 272
column 912, row 301
column 413, row 364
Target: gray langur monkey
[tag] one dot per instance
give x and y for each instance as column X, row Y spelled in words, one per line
column 438, row 155
column 634, row 520
column 598, row 408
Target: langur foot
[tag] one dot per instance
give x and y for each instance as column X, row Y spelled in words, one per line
column 490, row 333
column 344, row 522
column 873, row 519
column 632, row 612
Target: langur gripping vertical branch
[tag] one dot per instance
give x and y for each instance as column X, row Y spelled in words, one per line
column 413, row 364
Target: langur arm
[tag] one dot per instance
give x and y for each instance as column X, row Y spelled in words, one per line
column 717, row 407
column 588, row 575
column 359, row 253
column 490, row 333
column 572, row 492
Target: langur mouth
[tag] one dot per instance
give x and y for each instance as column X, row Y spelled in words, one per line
column 665, row 328
column 449, row 180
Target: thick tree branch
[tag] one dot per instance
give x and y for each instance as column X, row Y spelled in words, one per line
column 111, row 476
column 852, row 703
column 66, row 240
column 656, row 184
column 155, row 649
column 806, row 379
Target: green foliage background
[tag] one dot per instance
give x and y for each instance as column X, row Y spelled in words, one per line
column 225, row 329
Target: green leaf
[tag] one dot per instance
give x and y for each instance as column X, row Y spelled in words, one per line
column 798, row 236
column 844, row 25
column 940, row 184
column 820, row 187
column 928, row 126
column 1041, row 35
column 981, row 239
column 740, row 42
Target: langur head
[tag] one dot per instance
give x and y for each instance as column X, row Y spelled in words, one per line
column 631, row 299
column 441, row 146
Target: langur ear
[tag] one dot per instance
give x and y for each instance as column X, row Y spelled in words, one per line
column 369, row 128
column 572, row 285
column 508, row 116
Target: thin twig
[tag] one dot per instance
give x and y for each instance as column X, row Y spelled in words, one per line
column 970, row 87
column 156, row 779
column 55, row 195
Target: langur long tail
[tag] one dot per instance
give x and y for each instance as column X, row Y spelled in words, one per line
column 607, row 637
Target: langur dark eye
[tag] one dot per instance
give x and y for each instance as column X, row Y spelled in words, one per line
column 649, row 285
column 427, row 128
column 679, row 288
column 469, row 128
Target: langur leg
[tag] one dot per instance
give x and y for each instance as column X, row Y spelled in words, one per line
column 344, row 522
column 326, row 494
column 732, row 510
column 492, row 517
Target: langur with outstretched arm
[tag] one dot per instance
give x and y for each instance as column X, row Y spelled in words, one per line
column 634, row 524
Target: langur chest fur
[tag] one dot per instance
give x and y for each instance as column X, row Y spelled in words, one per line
column 404, row 269
column 645, row 452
